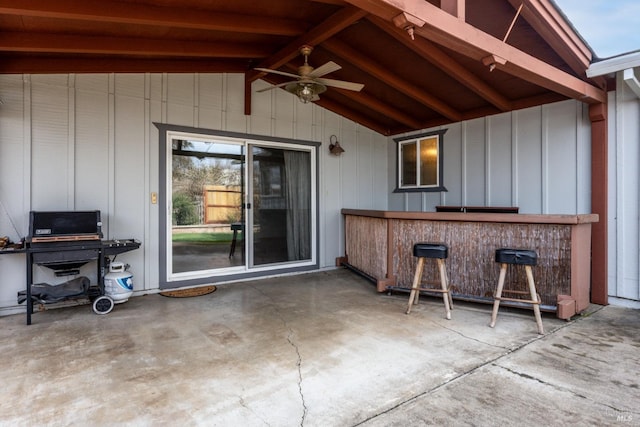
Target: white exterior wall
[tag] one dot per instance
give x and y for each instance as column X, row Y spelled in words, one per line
column 87, row 141
column 624, row 196
column 538, row 159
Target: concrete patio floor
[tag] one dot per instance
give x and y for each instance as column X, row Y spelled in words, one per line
column 320, row 349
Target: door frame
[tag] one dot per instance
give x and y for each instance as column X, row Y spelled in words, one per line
column 166, row 282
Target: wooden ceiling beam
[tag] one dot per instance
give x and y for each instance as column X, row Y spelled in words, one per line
column 355, row 116
column 380, row 107
column 62, row 43
column 454, row 7
column 333, row 2
column 546, row 98
column 549, row 23
column 543, row 17
column 449, row 31
column 373, row 103
column 326, row 29
column 436, row 56
column 374, row 69
column 19, row 64
column 140, row 14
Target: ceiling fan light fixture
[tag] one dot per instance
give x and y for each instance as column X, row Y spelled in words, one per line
column 306, row 93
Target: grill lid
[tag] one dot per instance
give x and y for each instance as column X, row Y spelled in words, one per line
column 64, row 226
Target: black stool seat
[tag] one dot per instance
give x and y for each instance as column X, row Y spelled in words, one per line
column 430, row 250
column 516, row 256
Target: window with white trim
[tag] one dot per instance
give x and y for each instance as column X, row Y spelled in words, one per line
column 419, row 165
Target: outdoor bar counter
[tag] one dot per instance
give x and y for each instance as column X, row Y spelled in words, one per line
column 379, row 245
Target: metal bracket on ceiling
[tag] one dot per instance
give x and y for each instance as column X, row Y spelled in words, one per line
column 408, row 23
column 492, row 61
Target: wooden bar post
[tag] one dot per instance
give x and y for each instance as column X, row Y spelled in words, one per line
column 599, row 198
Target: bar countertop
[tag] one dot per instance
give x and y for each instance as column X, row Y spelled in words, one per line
column 478, row 217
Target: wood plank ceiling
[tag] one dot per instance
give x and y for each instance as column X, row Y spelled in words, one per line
column 466, row 59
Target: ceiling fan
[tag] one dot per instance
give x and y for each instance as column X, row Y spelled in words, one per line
column 309, row 82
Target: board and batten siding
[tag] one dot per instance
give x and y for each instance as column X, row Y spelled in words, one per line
column 624, row 196
column 538, row 159
column 87, row 141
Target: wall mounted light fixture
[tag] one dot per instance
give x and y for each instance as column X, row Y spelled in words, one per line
column 334, row 146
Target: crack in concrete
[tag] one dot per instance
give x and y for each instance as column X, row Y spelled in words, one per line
column 462, row 375
column 299, row 365
column 291, row 342
column 470, row 338
column 543, row 382
column 557, row 387
column 245, row 406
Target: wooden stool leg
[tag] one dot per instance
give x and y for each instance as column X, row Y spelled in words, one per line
column 413, row 297
column 496, row 302
column 534, row 297
column 443, row 283
column 448, row 290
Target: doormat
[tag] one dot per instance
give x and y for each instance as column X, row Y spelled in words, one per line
column 191, row 292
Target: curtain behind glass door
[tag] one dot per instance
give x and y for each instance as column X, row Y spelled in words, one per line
column 281, row 210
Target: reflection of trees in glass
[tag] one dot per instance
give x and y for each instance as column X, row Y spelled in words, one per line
column 191, row 174
column 197, row 165
column 234, row 215
column 184, row 210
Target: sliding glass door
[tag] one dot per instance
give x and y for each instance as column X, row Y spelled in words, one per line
column 207, row 191
column 281, row 205
column 238, row 205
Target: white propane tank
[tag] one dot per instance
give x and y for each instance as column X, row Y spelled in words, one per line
column 118, row 283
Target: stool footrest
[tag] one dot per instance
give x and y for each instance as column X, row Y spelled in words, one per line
column 528, row 301
column 432, row 290
column 430, row 282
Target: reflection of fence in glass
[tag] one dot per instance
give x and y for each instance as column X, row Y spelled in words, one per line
column 222, row 204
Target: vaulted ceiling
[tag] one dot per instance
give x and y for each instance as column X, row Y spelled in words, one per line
column 423, row 63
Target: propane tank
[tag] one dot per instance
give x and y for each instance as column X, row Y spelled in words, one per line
column 118, row 283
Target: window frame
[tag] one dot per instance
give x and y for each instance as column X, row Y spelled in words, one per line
column 400, row 142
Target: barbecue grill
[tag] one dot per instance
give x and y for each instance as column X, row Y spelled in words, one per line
column 64, row 241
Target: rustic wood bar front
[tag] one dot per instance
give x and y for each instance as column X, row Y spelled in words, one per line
column 379, row 244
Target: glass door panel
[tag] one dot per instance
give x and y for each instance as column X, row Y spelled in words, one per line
column 281, row 205
column 207, row 216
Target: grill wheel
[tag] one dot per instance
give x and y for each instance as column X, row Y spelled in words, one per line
column 103, row 305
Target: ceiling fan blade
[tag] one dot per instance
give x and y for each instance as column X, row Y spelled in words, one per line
column 327, row 68
column 341, row 84
column 282, row 73
column 274, row 87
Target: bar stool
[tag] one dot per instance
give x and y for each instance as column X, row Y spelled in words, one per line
column 439, row 252
column 527, row 258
